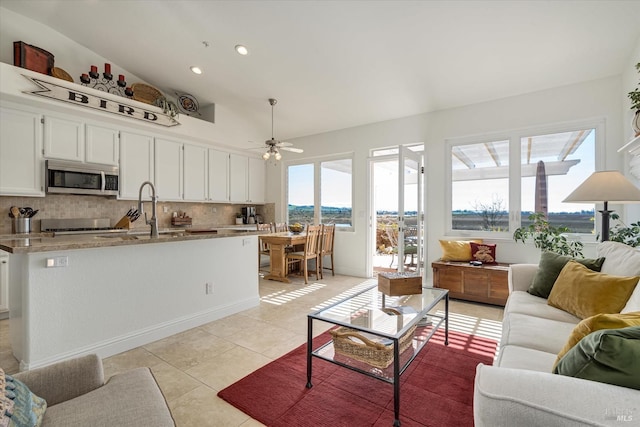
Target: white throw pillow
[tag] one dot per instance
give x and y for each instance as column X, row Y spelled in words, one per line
column 622, row 260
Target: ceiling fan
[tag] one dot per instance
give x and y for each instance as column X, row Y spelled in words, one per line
column 273, row 145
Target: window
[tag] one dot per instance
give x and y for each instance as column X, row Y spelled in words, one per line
column 321, row 189
column 521, row 173
column 301, row 194
column 416, row 148
column 552, row 166
column 480, row 186
column 335, row 192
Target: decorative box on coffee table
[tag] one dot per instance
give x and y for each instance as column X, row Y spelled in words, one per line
column 397, row 284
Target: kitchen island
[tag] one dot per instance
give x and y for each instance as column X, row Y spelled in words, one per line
column 74, row 295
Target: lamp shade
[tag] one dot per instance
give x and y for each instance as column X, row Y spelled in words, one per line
column 605, row 186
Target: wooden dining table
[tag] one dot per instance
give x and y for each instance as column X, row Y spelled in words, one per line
column 277, row 243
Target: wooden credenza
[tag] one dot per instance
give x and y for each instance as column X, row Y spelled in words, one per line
column 485, row 283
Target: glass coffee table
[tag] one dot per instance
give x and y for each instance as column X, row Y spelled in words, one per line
column 389, row 323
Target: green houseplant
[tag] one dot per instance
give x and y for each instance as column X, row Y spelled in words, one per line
column 547, row 237
column 627, row 234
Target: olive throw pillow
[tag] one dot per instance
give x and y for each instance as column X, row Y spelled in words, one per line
column 456, row 250
column 595, row 323
column 585, row 293
column 550, row 266
column 607, row 356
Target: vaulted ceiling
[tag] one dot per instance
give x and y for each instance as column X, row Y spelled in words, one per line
column 338, row 64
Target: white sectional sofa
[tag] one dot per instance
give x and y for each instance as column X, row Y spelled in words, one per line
column 520, row 390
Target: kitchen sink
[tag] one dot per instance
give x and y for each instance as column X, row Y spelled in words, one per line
column 116, row 237
column 164, row 233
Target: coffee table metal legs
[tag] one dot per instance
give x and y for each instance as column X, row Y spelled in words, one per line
column 396, row 383
column 309, row 349
column 446, row 319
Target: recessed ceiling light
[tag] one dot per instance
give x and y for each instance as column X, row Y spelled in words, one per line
column 196, row 70
column 242, row 50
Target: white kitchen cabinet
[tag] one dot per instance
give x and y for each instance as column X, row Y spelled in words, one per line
column 168, row 169
column 102, row 145
column 21, row 166
column 136, row 163
column 4, row 285
column 63, row 138
column 218, row 176
column 195, row 173
column 238, row 166
column 256, row 186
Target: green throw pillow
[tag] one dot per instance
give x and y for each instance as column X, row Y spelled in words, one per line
column 608, row 356
column 551, row 264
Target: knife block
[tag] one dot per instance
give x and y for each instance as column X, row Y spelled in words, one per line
column 124, row 222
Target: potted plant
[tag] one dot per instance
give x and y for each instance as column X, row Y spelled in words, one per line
column 627, row 234
column 547, row 237
column 634, row 96
column 239, row 219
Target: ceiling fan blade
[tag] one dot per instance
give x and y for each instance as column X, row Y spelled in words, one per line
column 283, row 144
column 292, row 149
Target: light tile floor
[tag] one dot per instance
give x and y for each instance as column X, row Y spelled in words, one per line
column 191, row 367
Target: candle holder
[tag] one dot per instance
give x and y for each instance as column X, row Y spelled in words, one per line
column 105, row 83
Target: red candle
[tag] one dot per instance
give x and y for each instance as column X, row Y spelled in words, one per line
column 86, row 76
column 107, row 68
column 94, row 69
column 121, row 77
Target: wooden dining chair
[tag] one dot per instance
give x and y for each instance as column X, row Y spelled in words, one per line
column 280, row 227
column 326, row 247
column 310, row 252
column 263, row 247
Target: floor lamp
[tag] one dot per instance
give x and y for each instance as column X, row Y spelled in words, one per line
column 605, row 186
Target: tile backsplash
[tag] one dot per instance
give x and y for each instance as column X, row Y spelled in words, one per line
column 60, row 206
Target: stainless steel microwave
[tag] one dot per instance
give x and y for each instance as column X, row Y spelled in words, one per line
column 81, row 178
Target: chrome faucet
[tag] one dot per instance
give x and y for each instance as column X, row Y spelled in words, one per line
column 154, row 200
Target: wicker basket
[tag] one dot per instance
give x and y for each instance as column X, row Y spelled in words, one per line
column 373, row 353
column 145, row 93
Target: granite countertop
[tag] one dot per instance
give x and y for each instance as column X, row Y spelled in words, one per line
column 44, row 242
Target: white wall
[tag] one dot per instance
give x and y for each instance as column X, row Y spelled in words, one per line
column 598, row 99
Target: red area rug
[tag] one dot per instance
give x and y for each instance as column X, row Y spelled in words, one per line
column 436, row 389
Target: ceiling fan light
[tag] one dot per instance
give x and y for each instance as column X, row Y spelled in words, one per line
column 278, row 156
column 266, row 156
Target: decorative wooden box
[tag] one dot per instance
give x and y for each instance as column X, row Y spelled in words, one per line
column 487, row 283
column 183, row 221
column 32, row 58
column 396, row 284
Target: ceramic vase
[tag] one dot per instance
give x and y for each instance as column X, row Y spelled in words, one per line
column 635, row 123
